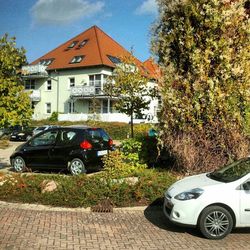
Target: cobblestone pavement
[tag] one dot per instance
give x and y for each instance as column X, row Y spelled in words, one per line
column 39, row 227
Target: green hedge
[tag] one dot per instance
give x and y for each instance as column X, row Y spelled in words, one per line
column 85, row 191
column 116, row 130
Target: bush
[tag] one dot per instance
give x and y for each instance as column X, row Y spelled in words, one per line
column 206, row 149
column 117, row 165
column 54, row 117
column 85, row 191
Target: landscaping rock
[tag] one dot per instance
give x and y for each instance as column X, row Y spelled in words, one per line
column 48, row 186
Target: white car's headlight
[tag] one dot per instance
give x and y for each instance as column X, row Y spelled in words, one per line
column 188, row 195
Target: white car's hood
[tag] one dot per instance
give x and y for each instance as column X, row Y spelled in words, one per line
column 188, row 183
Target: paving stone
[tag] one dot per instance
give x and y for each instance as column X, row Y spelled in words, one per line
column 26, row 227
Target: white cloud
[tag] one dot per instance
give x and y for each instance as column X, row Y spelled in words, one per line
column 64, row 11
column 147, row 7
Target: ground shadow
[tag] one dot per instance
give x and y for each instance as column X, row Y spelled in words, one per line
column 155, row 215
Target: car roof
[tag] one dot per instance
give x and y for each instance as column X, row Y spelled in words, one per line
column 78, row 126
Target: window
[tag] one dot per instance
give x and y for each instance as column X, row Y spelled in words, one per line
column 105, row 106
column 46, row 62
column 67, row 137
column 49, row 85
column 73, row 44
column 83, row 43
column 95, row 80
column 76, row 59
column 48, row 138
column 114, row 59
column 30, row 84
column 71, row 82
column 71, row 107
column 48, row 108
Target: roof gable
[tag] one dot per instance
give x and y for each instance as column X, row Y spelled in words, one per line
column 93, row 46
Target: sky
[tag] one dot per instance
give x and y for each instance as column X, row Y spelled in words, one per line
column 42, row 25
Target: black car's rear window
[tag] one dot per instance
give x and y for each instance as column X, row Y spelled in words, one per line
column 97, row 134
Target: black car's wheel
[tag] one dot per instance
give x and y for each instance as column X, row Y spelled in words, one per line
column 77, row 167
column 18, row 164
column 215, row 222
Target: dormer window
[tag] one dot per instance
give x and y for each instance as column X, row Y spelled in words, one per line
column 82, row 43
column 46, row 62
column 114, row 59
column 73, row 44
column 76, row 59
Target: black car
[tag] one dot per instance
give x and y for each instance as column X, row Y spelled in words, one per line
column 20, row 133
column 77, row 149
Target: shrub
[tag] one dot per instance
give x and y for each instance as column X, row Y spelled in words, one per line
column 117, row 165
column 85, row 191
column 53, row 117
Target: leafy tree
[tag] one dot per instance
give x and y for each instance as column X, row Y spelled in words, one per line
column 203, row 48
column 15, row 105
column 129, row 86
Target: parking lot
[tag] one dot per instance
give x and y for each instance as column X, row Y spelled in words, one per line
column 40, row 227
column 5, row 155
column 25, row 226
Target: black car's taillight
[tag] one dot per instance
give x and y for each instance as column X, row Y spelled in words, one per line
column 86, row 145
column 110, row 142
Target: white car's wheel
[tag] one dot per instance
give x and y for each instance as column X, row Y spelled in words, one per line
column 215, row 222
column 18, row 164
column 77, row 167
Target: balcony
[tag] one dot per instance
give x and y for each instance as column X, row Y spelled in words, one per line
column 85, row 91
column 34, row 71
column 35, row 95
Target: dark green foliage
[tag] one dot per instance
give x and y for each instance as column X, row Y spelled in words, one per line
column 54, row 117
column 117, row 130
column 85, row 191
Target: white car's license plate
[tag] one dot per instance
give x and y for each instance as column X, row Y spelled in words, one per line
column 102, row 152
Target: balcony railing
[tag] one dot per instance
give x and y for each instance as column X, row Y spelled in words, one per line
column 78, row 91
column 34, row 71
column 35, row 95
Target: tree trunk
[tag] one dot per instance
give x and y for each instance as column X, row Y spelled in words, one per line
column 132, row 125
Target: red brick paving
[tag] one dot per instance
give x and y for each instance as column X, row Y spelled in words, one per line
column 22, row 227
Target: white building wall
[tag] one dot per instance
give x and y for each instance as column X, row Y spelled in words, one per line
column 59, row 97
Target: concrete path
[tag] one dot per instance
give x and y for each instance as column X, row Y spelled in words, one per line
column 40, row 227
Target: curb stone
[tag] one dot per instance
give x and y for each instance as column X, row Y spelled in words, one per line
column 38, row 207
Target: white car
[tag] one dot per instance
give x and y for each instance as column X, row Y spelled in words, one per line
column 215, row 202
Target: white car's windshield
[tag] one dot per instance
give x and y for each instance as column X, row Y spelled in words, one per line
column 232, row 172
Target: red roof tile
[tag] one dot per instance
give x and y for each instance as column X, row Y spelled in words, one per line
column 153, row 68
column 98, row 45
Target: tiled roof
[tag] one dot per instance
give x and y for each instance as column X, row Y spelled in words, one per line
column 93, row 47
column 153, row 68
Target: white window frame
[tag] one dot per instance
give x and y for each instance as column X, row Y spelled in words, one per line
column 48, row 107
column 29, row 85
column 71, row 107
column 69, row 85
column 47, row 85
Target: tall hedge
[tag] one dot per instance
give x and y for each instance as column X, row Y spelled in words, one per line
column 203, row 48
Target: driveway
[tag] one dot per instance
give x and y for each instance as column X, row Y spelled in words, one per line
column 40, row 227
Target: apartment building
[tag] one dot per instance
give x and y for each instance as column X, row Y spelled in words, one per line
column 70, row 79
